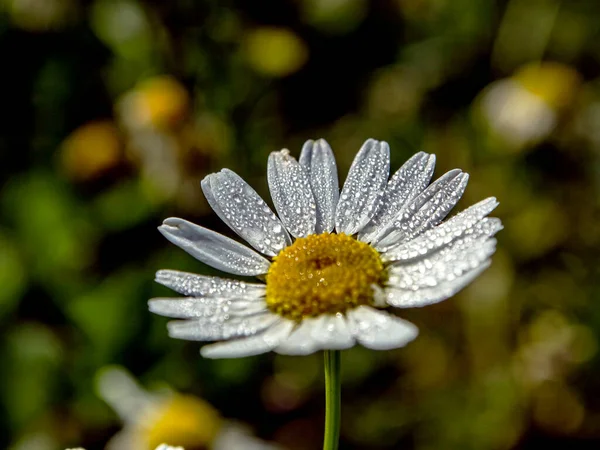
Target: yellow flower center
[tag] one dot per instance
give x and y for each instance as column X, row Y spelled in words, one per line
column 182, row 421
column 325, row 273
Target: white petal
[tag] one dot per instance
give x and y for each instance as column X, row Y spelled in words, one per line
column 291, row 193
column 117, row 387
column 242, row 209
column 379, row 330
column 469, row 221
column 363, row 188
column 405, row 298
column 234, row 436
column 325, row 332
column 254, row 345
column 482, row 230
column 213, row 248
column 317, row 157
column 299, row 341
column 460, row 256
column 425, row 211
column 208, row 330
column 192, row 285
column 408, row 182
column 332, row 332
column 127, row 439
column 213, row 308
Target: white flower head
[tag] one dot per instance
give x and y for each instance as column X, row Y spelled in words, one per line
column 330, row 261
column 155, row 417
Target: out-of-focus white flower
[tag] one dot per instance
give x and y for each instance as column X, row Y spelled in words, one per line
column 525, row 108
column 326, row 289
column 168, row 418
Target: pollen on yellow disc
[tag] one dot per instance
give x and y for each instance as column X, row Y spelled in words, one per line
column 90, row 150
column 325, row 273
column 183, row 421
column 275, row 51
column 159, row 101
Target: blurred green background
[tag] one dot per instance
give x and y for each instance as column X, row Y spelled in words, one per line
column 114, row 110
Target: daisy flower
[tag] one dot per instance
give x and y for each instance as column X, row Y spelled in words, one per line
column 166, row 416
column 328, row 263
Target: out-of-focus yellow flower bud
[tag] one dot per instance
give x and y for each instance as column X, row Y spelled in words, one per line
column 182, row 421
column 90, row 150
column 554, row 83
column 274, row 51
column 160, row 102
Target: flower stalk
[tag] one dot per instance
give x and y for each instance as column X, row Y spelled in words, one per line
column 332, row 399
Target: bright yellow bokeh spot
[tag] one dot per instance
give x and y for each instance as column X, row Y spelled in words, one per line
column 159, row 102
column 90, row 150
column 182, row 421
column 553, row 82
column 274, row 51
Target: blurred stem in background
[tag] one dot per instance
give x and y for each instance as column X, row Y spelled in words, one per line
column 332, row 399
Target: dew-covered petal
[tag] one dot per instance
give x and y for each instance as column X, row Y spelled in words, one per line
column 215, row 330
column 469, row 221
column 461, row 256
column 408, row 298
column 325, row 332
column 408, row 182
column 193, row 285
column 379, row 330
column 213, row 248
column 363, row 188
column 482, row 230
column 215, row 309
column 425, row 211
column 291, row 193
column 318, row 160
column 242, row 209
column 249, row 346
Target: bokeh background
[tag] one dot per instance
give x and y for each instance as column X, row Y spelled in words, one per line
column 114, row 110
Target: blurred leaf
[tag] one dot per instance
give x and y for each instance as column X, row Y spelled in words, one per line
column 13, row 275
column 110, row 314
column 32, row 357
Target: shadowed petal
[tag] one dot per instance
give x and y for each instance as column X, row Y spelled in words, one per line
column 208, row 330
column 213, row 248
column 254, row 345
column 216, row 309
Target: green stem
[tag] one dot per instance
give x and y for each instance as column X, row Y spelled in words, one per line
column 332, row 399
